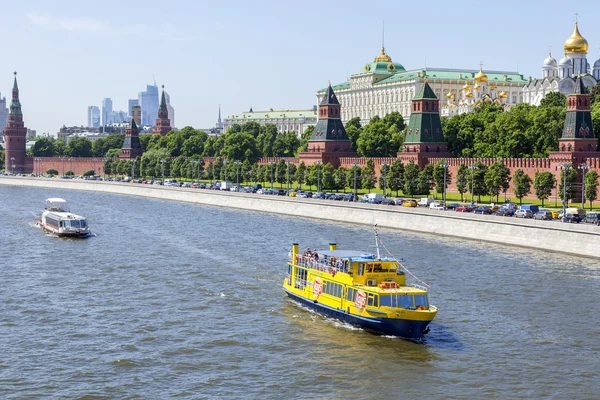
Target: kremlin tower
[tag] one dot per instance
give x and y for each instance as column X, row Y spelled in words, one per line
column 163, row 124
column 578, row 133
column 15, row 134
column 132, row 147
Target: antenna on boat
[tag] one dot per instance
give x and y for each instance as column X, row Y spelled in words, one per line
column 377, row 242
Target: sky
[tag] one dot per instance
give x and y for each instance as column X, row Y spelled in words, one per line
column 264, row 54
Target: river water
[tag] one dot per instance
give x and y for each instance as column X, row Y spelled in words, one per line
column 174, row 300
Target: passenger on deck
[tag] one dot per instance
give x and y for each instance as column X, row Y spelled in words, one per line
column 316, row 256
column 307, row 252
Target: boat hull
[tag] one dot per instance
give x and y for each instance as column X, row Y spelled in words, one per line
column 407, row 329
column 74, row 234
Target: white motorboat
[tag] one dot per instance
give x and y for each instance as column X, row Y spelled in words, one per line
column 58, row 220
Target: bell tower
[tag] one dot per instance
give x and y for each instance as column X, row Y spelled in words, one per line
column 132, row 147
column 15, row 134
column 163, row 124
column 578, row 132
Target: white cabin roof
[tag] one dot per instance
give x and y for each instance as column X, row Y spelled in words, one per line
column 56, row 200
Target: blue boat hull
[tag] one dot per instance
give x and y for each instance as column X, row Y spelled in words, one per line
column 408, row 329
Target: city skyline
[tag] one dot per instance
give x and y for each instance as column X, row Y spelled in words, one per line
column 253, row 57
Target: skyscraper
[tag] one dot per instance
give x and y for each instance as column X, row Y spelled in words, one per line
column 170, row 109
column 130, row 104
column 93, row 117
column 107, row 111
column 136, row 115
column 148, row 100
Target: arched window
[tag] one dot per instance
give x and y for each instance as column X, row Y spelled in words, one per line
column 426, row 149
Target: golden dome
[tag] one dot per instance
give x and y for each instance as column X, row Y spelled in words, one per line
column 477, row 87
column 576, row 43
column 469, row 94
column 450, row 96
column 383, row 57
column 480, row 77
column 493, row 87
column 502, row 95
column 467, row 87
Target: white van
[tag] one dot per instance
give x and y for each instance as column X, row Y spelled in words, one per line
column 374, row 198
column 425, row 202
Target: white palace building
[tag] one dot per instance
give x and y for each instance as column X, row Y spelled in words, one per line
column 561, row 76
column 384, row 86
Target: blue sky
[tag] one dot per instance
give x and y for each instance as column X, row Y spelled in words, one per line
column 71, row 54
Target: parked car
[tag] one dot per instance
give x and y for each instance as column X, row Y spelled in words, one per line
column 452, row 206
column 466, row 208
column 388, row 202
column 524, row 213
column 339, row 197
column 544, row 215
column 425, row 202
column 531, row 207
column 350, row 197
column 591, row 217
column 505, row 212
column 409, row 203
column 281, row 192
column 436, row 206
column 568, row 217
column 319, row 195
column 483, row 210
column 399, row 201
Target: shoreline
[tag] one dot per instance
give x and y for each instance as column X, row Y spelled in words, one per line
column 576, row 239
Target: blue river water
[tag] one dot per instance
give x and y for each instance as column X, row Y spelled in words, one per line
column 174, row 300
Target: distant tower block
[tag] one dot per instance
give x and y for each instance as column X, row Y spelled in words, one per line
column 15, row 134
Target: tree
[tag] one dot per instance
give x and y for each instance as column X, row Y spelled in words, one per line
column 43, row 147
column 495, row 177
column 290, row 173
column 569, row 192
column 543, row 183
column 194, row 144
column 384, row 177
column 368, row 176
column 395, row 176
column 350, row 177
column 353, row 130
column 209, row 173
column 591, row 185
column 438, row 177
column 52, row 171
column 477, row 182
column 375, row 140
column 280, row 172
column 522, row 184
column 266, row 138
column 286, row 144
column 411, row 178
column 425, row 181
column 240, row 146
column 89, row 172
column 462, row 180
column 79, row 147
column 554, row 99
column 301, row 174
column 69, row 173
column 327, row 177
column 339, row 178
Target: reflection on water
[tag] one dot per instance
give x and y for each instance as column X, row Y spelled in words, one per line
column 180, row 300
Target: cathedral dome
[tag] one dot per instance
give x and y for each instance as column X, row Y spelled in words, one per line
column 576, row 43
column 597, row 63
column 383, row 57
column 467, row 87
column 502, row 95
column 481, row 76
column 565, row 62
column 450, row 95
column 550, row 61
column 469, row 94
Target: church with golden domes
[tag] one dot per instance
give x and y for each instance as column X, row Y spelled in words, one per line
column 561, row 76
column 384, row 86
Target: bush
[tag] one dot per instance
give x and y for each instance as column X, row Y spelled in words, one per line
column 52, row 171
column 69, row 173
column 89, row 172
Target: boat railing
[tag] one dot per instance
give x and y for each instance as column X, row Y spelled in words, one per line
column 331, row 267
column 423, row 288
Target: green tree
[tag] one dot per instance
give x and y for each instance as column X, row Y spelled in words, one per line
column 266, row 138
column 209, row 173
column 411, row 179
column 522, row 184
column 252, row 128
column 43, row 147
column 354, row 130
column 280, row 172
column 395, row 176
column 425, row 180
column 591, row 185
column 350, row 174
column 543, row 184
column 568, row 192
column 69, row 173
column 477, row 182
column 79, row 147
column 290, row 173
column 301, row 174
column 328, row 178
column 113, row 141
column 60, row 147
column 384, row 176
column 494, row 178
column 306, row 135
column 368, row 176
column 51, row 171
column 340, row 178
column 438, row 177
column 194, row 144
column 554, row 99
column 376, row 140
column 286, row 144
column 89, row 172
column 241, row 146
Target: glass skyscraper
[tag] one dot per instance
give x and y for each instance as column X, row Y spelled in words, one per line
column 148, row 100
column 93, row 117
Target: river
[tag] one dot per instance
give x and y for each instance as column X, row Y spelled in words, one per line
column 175, row 300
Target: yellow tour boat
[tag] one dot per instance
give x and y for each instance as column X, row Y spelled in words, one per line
column 361, row 289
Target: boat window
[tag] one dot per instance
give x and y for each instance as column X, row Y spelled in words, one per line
column 372, row 300
column 396, row 301
column 361, row 269
column 421, row 300
column 350, row 294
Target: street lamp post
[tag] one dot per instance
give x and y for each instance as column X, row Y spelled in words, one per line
column 133, row 169
column 385, row 167
column 12, row 162
column 318, row 175
column 354, row 166
column 162, row 161
column 583, row 167
column 194, row 162
column 445, row 166
column 38, row 166
column 237, row 174
column 71, row 166
column 472, row 166
column 63, row 165
column 287, row 163
column 565, row 167
column 272, row 165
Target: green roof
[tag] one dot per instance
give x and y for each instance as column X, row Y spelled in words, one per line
column 425, row 92
column 275, row 114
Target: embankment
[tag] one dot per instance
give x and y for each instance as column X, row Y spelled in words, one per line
column 579, row 239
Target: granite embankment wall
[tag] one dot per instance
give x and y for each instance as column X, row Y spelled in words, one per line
column 579, row 239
